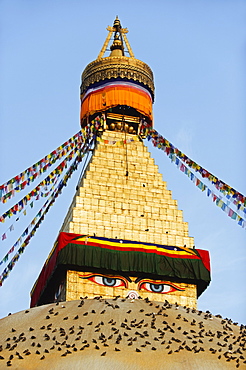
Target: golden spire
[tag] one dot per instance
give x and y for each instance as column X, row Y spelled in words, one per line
column 117, row 48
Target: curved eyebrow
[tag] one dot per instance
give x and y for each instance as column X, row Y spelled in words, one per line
column 138, row 279
column 175, row 286
column 127, row 277
column 108, row 275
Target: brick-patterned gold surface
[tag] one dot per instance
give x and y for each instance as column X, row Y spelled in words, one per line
column 135, row 207
column 79, row 286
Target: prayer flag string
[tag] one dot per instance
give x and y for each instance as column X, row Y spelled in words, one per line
column 41, row 214
column 18, row 207
column 26, row 231
column 87, row 136
column 19, row 182
column 157, row 141
column 232, row 195
column 31, row 205
column 200, row 185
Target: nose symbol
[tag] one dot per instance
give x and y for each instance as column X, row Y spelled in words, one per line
column 133, row 294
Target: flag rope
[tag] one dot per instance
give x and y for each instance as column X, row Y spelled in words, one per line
column 37, row 190
column 19, row 182
column 180, row 158
column 41, row 214
column 162, row 143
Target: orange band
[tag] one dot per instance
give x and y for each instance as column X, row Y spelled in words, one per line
column 109, row 97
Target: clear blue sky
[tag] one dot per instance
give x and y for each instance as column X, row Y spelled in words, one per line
column 196, row 50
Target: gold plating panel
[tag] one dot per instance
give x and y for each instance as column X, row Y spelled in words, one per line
column 135, row 207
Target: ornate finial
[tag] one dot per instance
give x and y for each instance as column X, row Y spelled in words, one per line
column 117, row 48
column 117, row 23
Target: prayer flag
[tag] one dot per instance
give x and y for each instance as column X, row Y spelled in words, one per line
column 224, row 206
column 5, row 258
column 11, row 250
column 240, row 222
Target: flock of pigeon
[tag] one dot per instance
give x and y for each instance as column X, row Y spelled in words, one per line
column 89, row 328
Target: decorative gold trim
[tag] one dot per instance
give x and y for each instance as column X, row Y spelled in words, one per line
column 113, row 67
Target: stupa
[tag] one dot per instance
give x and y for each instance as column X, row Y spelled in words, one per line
column 123, row 234
column 120, row 286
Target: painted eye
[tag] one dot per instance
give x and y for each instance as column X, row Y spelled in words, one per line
column 107, row 281
column 159, row 288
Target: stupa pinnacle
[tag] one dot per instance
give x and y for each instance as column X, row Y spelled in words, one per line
column 123, row 234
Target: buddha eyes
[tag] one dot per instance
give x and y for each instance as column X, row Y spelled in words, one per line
column 152, row 286
column 159, row 288
column 107, row 280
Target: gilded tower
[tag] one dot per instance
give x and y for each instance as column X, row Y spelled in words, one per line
column 123, row 234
